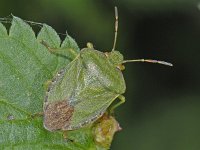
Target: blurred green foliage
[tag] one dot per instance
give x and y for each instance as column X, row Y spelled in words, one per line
column 162, row 107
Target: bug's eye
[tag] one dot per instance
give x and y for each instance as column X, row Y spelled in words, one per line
column 115, row 57
column 121, row 67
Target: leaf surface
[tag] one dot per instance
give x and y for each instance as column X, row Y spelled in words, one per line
column 25, row 66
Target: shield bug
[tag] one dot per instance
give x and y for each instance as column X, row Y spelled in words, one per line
column 82, row 92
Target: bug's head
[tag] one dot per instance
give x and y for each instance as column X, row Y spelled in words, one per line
column 116, row 58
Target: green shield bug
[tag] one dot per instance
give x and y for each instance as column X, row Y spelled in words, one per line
column 82, row 92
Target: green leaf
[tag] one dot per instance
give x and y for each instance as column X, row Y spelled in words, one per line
column 25, row 66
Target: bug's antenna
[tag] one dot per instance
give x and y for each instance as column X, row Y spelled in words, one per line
column 116, row 28
column 149, row 61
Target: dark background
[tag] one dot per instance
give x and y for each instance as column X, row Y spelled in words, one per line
column 162, row 103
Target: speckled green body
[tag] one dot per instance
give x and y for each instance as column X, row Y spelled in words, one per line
column 89, row 84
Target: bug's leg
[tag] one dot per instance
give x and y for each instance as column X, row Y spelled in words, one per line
column 90, row 45
column 66, row 137
column 47, row 84
column 122, row 100
column 39, row 114
column 64, row 52
column 50, row 49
